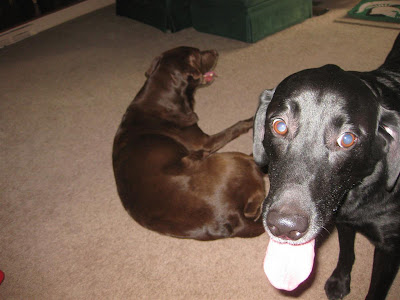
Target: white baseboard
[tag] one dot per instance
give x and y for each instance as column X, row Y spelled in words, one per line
column 28, row 29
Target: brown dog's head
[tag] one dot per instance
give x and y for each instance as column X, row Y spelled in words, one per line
column 172, row 80
column 186, row 64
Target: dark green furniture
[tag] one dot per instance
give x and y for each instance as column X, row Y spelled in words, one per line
column 248, row 20
column 245, row 20
column 167, row 15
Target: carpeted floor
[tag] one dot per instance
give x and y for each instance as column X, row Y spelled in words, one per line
column 63, row 231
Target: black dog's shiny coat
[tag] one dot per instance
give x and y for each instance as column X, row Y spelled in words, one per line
column 315, row 180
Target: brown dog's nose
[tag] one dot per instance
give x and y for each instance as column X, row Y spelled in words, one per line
column 287, row 226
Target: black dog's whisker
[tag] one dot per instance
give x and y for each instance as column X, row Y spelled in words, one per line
column 324, row 228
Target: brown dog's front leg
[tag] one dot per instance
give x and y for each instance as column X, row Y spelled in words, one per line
column 219, row 140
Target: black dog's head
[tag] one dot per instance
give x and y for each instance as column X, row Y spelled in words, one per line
column 322, row 132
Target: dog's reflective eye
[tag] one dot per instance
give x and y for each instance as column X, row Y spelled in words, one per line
column 346, row 140
column 279, row 126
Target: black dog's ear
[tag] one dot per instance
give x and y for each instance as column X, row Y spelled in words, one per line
column 390, row 123
column 153, row 67
column 260, row 157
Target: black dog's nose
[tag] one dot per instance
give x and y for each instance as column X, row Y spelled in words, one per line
column 287, row 226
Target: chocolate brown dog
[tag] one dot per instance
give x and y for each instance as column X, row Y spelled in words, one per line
column 168, row 176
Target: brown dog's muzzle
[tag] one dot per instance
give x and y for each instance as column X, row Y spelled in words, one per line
column 208, row 62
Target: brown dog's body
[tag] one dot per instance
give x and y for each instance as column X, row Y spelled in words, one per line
column 168, row 176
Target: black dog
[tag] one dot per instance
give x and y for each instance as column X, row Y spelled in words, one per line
column 330, row 140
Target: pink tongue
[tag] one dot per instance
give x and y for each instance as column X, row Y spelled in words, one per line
column 286, row 266
column 209, row 76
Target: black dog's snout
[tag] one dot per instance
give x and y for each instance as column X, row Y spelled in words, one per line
column 287, row 226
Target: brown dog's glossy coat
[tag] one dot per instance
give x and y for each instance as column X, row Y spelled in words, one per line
column 168, row 174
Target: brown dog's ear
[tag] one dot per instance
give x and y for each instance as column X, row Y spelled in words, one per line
column 153, row 67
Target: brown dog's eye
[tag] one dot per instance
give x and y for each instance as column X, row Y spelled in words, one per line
column 346, row 140
column 279, row 126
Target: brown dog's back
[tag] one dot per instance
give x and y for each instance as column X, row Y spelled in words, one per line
column 189, row 196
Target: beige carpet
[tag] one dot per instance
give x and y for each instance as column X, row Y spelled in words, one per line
column 63, row 231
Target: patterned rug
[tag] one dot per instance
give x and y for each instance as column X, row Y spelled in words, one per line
column 378, row 13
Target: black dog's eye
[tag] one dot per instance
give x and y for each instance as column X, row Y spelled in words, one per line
column 280, row 126
column 346, row 140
